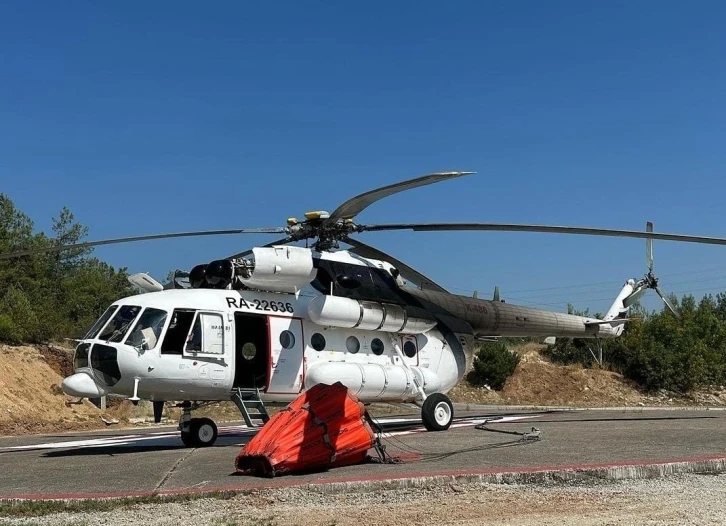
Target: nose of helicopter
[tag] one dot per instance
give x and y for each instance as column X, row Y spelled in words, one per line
column 81, row 385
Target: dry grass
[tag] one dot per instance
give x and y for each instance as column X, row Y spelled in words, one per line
column 536, row 381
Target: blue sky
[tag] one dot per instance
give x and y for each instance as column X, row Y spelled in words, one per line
column 149, row 117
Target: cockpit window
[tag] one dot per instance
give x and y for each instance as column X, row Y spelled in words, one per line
column 194, row 340
column 80, row 359
column 147, row 331
column 100, row 322
column 116, row 329
column 181, row 322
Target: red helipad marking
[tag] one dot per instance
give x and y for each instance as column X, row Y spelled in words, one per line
column 282, row 482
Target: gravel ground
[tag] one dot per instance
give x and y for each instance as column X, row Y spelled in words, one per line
column 682, row 500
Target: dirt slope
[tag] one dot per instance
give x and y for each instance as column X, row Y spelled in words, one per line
column 31, row 400
column 537, row 381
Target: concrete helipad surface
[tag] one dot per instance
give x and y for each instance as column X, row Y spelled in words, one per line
column 153, row 461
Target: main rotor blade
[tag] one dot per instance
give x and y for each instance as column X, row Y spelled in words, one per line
column 59, row 248
column 668, row 303
column 354, row 206
column 368, row 251
column 282, row 241
column 505, row 227
column 649, row 247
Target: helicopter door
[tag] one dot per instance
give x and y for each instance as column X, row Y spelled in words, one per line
column 251, row 351
column 286, row 349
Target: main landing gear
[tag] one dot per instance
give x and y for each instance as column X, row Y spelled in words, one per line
column 437, row 412
column 196, row 432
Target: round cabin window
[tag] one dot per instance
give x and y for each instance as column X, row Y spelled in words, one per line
column 409, row 349
column 249, row 351
column 352, row 344
column 377, row 346
column 287, row 339
column 318, row 341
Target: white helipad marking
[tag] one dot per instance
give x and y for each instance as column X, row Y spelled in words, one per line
column 465, row 423
column 130, row 440
column 171, row 438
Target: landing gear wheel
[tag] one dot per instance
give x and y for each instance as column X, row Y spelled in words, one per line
column 188, row 439
column 437, row 412
column 202, row 433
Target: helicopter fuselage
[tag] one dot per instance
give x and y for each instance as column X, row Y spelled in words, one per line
column 333, row 317
column 252, row 339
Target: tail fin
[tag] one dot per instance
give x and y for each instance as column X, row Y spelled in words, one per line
column 633, row 290
column 619, row 309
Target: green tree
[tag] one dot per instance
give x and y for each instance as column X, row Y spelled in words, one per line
column 54, row 294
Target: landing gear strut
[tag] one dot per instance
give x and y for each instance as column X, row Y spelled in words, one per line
column 196, row 432
column 437, row 412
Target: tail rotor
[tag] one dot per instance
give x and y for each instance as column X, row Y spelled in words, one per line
column 651, row 281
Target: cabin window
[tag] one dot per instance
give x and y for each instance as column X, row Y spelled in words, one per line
column 352, row 344
column 146, row 334
column 287, row 339
column 116, row 329
column 377, row 346
column 249, row 351
column 409, row 348
column 181, row 322
column 318, row 341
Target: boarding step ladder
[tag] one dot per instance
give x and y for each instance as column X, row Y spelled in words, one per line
column 247, row 399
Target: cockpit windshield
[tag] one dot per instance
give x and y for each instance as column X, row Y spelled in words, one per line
column 100, row 322
column 146, row 333
column 116, row 329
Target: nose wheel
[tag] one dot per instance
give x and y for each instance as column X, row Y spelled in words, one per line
column 196, row 432
column 202, row 433
column 437, row 412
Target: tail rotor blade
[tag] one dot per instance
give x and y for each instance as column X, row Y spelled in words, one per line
column 649, row 247
column 668, row 303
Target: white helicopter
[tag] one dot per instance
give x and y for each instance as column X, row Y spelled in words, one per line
column 266, row 324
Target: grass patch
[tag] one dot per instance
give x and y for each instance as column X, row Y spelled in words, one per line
column 39, row 508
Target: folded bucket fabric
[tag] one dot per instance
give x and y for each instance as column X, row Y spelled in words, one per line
column 324, row 427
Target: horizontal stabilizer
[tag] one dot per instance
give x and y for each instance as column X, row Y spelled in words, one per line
column 613, row 323
column 482, row 338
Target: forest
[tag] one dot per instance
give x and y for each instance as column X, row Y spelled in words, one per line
column 659, row 351
column 54, row 295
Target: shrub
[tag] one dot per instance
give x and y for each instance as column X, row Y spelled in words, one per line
column 568, row 351
column 493, row 364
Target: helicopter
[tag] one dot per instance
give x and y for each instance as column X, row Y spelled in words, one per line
column 264, row 325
